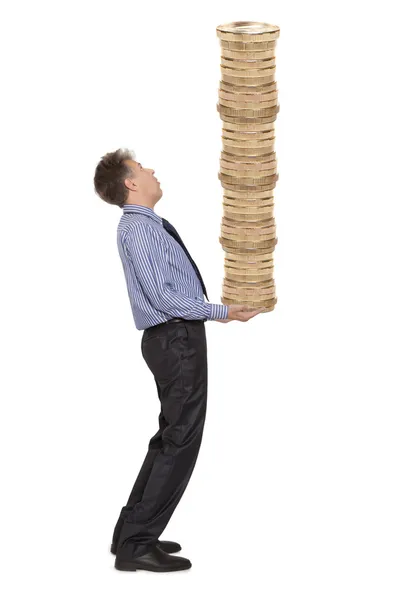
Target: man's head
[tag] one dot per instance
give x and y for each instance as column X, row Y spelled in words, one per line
column 119, row 179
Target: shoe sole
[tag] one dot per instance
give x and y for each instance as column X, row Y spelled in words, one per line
column 128, row 566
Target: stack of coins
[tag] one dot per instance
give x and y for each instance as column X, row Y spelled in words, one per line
column 248, row 107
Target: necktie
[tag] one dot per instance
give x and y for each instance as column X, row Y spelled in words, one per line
column 173, row 232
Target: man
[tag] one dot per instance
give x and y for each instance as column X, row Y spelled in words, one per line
column 166, row 295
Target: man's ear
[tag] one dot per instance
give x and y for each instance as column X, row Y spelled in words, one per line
column 130, row 184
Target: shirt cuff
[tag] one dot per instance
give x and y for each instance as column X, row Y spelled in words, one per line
column 218, row 311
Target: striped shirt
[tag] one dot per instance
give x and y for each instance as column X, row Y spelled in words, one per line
column 160, row 278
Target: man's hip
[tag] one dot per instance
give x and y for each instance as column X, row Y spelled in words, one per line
column 157, row 327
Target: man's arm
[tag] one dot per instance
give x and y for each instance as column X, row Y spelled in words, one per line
column 149, row 258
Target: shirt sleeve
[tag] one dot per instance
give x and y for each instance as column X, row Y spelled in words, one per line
column 149, row 258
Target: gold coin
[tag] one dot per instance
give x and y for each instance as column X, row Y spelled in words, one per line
column 245, row 212
column 233, row 63
column 256, row 285
column 236, row 273
column 240, row 46
column 245, row 137
column 251, row 195
column 255, row 278
column 248, row 54
column 263, row 71
column 262, row 167
column 252, row 222
column 237, row 297
column 259, row 176
column 240, row 135
column 247, row 245
column 248, row 158
column 255, row 98
column 247, row 79
column 250, row 240
column 248, row 127
column 263, row 196
column 249, row 275
column 252, row 148
column 246, row 120
column 248, row 31
column 245, row 105
column 248, row 112
column 253, row 304
column 247, row 204
column 241, row 146
column 239, row 267
column 243, row 150
column 240, row 298
column 249, row 188
column 265, row 88
column 256, row 226
column 253, row 207
column 266, row 287
column 243, row 180
column 250, row 90
column 230, row 292
column 233, row 141
column 251, row 253
column 248, row 38
column 236, row 256
column 249, row 228
column 244, row 263
column 245, row 215
column 250, row 205
column 265, row 142
column 249, row 101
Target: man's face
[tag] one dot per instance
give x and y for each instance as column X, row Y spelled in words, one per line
column 144, row 181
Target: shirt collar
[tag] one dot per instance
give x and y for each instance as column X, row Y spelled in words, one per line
column 143, row 210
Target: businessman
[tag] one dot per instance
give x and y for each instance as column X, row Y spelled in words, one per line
column 166, row 296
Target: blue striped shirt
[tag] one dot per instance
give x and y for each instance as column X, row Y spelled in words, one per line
column 160, row 278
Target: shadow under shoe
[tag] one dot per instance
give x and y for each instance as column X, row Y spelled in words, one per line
column 154, row 559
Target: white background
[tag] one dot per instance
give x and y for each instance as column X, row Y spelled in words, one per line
column 296, row 490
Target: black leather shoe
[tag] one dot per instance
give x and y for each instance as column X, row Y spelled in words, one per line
column 170, row 547
column 154, row 560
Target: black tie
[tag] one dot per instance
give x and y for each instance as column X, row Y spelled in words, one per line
column 173, row 232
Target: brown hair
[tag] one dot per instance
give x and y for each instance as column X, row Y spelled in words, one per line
column 110, row 175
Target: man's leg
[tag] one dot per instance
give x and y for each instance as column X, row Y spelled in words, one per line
column 177, row 357
column 155, row 445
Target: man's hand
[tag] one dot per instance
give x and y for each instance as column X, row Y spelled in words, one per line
column 240, row 312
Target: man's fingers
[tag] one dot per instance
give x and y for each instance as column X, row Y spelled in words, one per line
column 250, row 313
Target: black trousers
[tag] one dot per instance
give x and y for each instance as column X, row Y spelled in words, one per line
column 176, row 354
